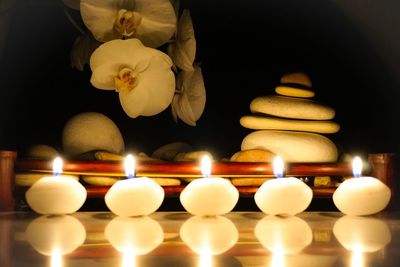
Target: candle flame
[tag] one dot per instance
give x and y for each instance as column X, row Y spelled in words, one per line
column 130, row 166
column 357, row 166
column 278, row 167
column 57, row 166
column 206, row 166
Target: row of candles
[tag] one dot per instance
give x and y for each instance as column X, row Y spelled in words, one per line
column 207, row 196
column 206, row 236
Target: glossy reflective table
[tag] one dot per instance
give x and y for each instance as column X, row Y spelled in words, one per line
column 178, row 239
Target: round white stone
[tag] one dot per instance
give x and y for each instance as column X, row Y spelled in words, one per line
column 273, row 123
column 91, row 131
column 361, row 196
column 283, row 196
column 134, row 197
column 291, row 107
column 293, row 146
column 209, row 196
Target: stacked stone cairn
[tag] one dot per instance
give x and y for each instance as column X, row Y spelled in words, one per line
column 290, row 124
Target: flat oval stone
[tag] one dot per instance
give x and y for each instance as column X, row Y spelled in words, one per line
column 41, row 151
column 293, row 146
column 290, row 107
column 273, row 123
column 295, row 92
column 253, row 155
column 298, row 78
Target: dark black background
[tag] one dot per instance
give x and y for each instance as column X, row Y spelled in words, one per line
column 349, row 48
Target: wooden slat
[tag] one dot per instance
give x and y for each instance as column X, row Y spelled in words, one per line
column 186, row 169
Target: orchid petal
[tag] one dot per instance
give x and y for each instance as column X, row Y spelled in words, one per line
column 189, row 104
column 99, row 17
column 183, row 51
column 185, row 112
column 159, row 81
column 119, row 51
column 82, row 49
column 196, row 92
column 134, row 102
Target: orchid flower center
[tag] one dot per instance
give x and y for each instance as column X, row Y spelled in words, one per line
column 126, row 80
column 127, row 22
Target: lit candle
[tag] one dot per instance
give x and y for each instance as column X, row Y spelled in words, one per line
column 283, row 196
column 209, row 236
column 57, row 194
column 283, row 235
column 361, row 195
column 55, row 235
column 209, row 196
column 135, row 196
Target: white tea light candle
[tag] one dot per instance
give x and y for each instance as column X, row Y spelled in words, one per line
column 57, row 194
column 135, row 196
column 209, row 196
column 283, row 196
column 361, row 195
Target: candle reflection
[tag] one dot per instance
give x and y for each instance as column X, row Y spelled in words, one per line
column 134, row 236
column 53, row 235
column 286, row 235
column 361, row 234
column 205, row 259
column 278, row 257
column 357, row 257
column 128, row 258
column 56, row 258
column 209, row 235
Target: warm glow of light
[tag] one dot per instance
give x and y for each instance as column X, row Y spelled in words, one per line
column 278, row 167
column 357, row 257
column 56, row 258
column 357, row 167
column 130, row 166
column 57, row 166
column 205, row 259
column 278, row 258
column 128, row 258
column 206, row 166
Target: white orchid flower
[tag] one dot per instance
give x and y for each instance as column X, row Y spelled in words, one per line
column 151, row 21
column 142, row 76
column 183, row 50
column 189, row 101
column 82, row 49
